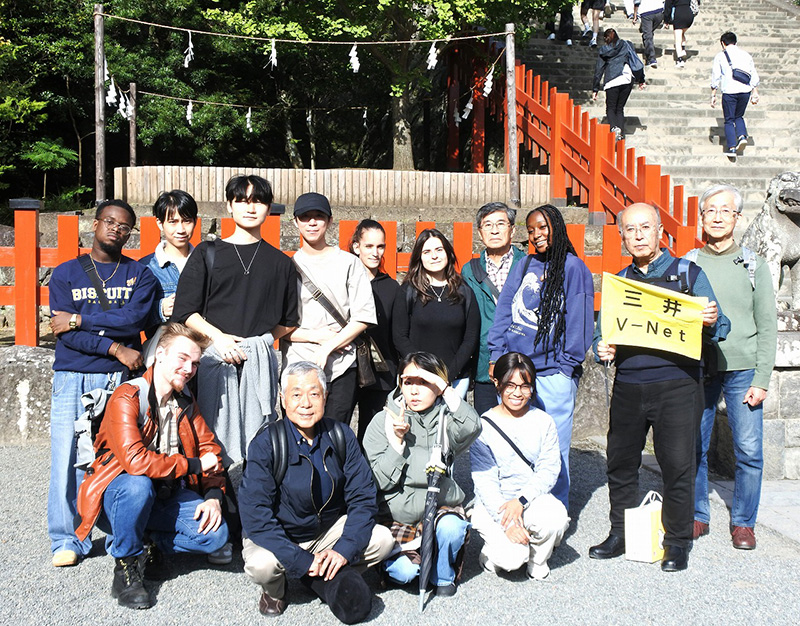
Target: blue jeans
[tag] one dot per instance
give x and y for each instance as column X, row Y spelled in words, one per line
column 451, row 531
column 747, row 427
column 733, row 107
column 64, row 478
column 555, row 395
column 130, row 507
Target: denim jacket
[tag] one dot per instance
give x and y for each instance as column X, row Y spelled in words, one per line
column 167, row 274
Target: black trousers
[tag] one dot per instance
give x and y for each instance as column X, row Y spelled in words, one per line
column 370, row 403
column 342, row 396
column 565, row 24
column 485, row 397
column 673, row 408
column 616, row 97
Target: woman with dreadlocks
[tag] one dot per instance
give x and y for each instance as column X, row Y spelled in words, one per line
column 546, row 311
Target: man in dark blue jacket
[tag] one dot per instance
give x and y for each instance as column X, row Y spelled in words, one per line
column 320, row 517
column 99, row 303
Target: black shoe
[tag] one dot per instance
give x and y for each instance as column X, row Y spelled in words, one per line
column 271, row 607
column 611, row 548
column 446, row 590
column 675, row 559
column 152, row 563
column 128, row 587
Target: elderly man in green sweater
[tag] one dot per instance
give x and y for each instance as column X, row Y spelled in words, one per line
column 743, row 286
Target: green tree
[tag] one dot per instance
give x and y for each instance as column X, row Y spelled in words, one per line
column 384, row 20
column 47, row 155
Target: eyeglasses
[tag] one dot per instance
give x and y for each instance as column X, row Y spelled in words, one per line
column 526, row 389
column 112, row 225
column 498, row 226
column 724, row 213
column 644, row 229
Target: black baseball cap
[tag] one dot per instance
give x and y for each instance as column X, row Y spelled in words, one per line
column 312, row 201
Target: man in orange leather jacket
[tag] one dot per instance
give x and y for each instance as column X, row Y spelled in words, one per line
column 156, row 482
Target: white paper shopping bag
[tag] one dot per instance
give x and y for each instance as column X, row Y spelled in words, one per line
column 644, row 532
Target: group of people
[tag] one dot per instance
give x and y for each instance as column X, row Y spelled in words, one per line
column 318, row 501
column 733, row 71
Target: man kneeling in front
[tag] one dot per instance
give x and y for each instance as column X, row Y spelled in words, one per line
column 156, row 483
column 307, row 503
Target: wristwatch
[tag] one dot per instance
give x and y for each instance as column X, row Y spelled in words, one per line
column 524, row 502
column 73, row 321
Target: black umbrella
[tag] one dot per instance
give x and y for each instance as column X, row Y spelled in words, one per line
column 435, row 470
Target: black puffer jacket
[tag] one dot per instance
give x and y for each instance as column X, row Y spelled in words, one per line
column 611, row 59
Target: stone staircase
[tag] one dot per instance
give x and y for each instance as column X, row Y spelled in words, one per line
column 670, row 122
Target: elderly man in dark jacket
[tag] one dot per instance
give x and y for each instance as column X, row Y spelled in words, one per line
column 318, row 518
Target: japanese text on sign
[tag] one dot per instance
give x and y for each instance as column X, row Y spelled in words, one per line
column 642, row 315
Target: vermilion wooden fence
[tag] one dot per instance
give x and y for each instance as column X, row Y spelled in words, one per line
column 27, row 257
column 587, row 164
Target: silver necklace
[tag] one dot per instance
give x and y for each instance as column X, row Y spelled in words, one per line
column 249, row 265
column 438, row 295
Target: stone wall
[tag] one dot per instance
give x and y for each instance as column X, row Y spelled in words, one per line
column 25, row 394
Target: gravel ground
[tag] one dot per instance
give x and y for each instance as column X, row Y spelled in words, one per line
column 721, row 584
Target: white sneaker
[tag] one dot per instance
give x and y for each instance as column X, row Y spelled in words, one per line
column 680, row 64
column 538, row 572
column 223, row 556
column 551, row 37
column 569, row 42
column 593, row 44
column 587, row 30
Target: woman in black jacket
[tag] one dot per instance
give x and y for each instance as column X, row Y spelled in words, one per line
column 618, row 62
column 369, row 245
column 680, row 15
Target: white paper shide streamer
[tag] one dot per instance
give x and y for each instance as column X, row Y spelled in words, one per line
column 354, row 62
column 487, row 86
column 105, row 69
column 249, row 119
column 111, row 96
column 456, row 116
column 189, row 112
column 467, row 109
column 273, row 55
column 124, row 106
column 433, row 56
column 189, row 52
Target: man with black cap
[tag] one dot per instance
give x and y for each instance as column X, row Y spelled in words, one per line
column 308, row 504
column 343, row 283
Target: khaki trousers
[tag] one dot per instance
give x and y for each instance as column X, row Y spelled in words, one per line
column 264, row 569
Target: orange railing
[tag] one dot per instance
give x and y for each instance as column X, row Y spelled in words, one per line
column 27, row 257
column 587, row 164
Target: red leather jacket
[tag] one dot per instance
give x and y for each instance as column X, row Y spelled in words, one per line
column 121, row 446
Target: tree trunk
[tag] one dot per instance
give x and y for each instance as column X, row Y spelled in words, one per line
column 44, row 187
column 291, row 143
column 403, row 150
column 312, row 141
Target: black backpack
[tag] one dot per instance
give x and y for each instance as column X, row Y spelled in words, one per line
column 280, row 447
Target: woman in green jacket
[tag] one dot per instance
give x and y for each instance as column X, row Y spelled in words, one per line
column 398, row 446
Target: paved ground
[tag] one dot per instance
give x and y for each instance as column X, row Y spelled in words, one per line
column 721, row 584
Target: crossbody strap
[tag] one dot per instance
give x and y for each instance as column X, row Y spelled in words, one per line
column 508, row 440
column 320, row 297
column 88, row 267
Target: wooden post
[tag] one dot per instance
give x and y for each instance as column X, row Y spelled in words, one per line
column 26, row 277
column 99, row 106
column 511, row 119
column 478, row 117
column 132, row 122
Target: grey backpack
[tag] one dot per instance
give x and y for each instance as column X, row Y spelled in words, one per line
column 88, row 423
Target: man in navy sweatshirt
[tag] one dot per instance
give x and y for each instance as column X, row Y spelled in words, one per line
column 97, row 345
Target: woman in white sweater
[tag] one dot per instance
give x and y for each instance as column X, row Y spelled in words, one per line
column 518, row 518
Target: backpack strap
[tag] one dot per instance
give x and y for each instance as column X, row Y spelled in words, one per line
column 336, row 433
column 280, row 450
column 685, row 284
column 750, row 262
column 482, row 276
column 91, row 271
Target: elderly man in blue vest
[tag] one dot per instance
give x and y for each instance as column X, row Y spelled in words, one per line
column 658, row 389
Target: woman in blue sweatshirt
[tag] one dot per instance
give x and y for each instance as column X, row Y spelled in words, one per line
column 546, row 311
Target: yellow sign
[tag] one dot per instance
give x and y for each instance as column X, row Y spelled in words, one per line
column 642, row 315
